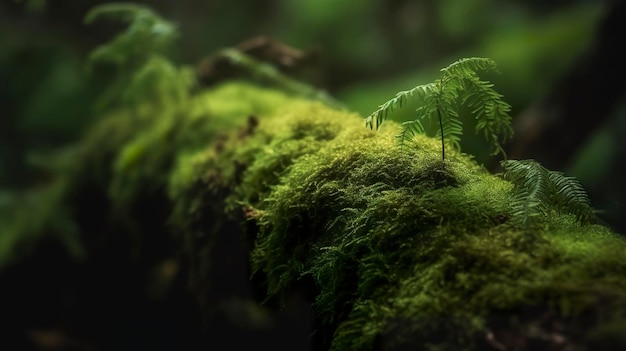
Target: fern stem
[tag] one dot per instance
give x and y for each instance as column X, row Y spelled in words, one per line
column 443, row 145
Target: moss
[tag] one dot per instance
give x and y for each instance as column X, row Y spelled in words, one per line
column 396, row 239
column 395, row 247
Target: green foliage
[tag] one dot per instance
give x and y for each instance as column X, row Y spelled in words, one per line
column 147, row 33
column 141, row 71
column 537, row 190
column 459, row 82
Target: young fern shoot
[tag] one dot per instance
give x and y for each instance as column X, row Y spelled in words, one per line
column 440, row 99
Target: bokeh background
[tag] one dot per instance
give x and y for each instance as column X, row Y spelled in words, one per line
column 561, row 68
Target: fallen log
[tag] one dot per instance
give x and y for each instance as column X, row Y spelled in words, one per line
column 262, row 216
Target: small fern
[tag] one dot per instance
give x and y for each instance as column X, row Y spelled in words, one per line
column 136, row 55
column 459, row 83
column 146, row 34
column 537, row 189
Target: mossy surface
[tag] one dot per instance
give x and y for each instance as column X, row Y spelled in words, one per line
column 399, row 248
column 395, row 247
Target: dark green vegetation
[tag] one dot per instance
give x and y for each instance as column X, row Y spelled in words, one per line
column 538, row 189
column 394, row 249
column 440, row 100
column 233, row 200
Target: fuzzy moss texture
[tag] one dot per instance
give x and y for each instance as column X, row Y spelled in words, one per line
column 396, row 248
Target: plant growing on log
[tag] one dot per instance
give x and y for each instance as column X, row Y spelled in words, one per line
column 137, row 56
column 536, row 189
column 147, row 33
column 439, row 99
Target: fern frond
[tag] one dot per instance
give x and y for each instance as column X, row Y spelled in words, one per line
column 536, row 189
column 451, row 127
column 490, row 111
column 532, row 188
column 438, row 100
column 410, row 128
column 467, row 67
column 137, row 57
column 146, row 34
column 428, row 109
column 571, row 196
column 374, row 120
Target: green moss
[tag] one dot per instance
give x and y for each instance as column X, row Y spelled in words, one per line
column 390, row 237
column 296, row 129
column 396, row 247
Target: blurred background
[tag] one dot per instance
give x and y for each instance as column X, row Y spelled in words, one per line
column 561, row 69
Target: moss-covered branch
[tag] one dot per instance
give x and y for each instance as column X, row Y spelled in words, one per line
column 395, row 250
